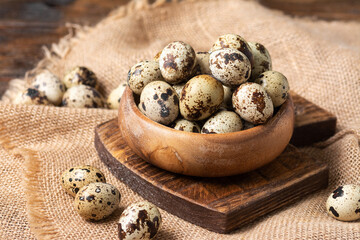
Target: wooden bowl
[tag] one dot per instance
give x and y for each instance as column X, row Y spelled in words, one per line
column 204, row 155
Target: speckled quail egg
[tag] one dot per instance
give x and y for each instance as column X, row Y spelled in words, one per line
column 96, row 201
column 231, row 67
column 252, row 103
column 143, row 73
column 247, row 125
column 202, row 59
column 140, row 220
column 196, row 71
column 276, row 85
column 187, row 126
column 233, row 41
column 227, row 103
column 80, row 76
column 157, row 56
column 50, row 85
column 262, row 59
column 159, row 102
column 114, row 97
column 73, row 179
column 201, row 97
column 179, row 87
column 82, row 96
column 344, row 203
column 32, row 96
column 222, row 122
column 177, row 61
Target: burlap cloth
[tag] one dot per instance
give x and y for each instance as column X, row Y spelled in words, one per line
column 321, row 60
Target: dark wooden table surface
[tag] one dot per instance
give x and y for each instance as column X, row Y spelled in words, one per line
column 27, row 25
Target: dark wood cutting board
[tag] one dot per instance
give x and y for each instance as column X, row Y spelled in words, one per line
column 226, row 203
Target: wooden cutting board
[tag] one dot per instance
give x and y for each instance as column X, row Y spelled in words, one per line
column 226, row 203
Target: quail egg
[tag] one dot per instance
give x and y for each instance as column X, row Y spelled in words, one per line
column 196, row 71
column 230, row 66
column 201, row 97
column 247, row 125
column 233, row 41
column 143, row 73
column 187, row 126
column 82, row 96
column 252, row 103
column 96, row 201
column 77, row 177
column 227, row 103
column 157, row 56
column 159, row 102
column 140, row 220
column 32, row 96
column 222, row 122
column 80, row 76
column 178, row 88
column 344, row 203
column 202, row 59
column 115, row 96
column 276, row 85
column 262, row 59
column 50, row 85
column 177, row 61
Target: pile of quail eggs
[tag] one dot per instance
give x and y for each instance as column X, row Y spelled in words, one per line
column 95, row 200
column 78, row 89
column 230, row 88
column 344, row 203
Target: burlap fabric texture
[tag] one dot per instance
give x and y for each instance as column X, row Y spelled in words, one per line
column 321, row 60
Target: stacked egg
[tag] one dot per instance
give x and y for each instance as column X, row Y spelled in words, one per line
column 219, row 91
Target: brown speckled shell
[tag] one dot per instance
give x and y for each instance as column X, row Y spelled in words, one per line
column 344, row 203
column 231, row 67
column 96, row 201
column 201, row 97
column 252, row 103
column 157, row 56
column 262, row 59
column 114, row 97
column 222, row 122
column 140, row 220
column 82, row 96
column 276, row 85
column 32, row 96
column 233, row 41
column 142, row 74
column 50, row 85
column 74, row 178
column 177, row 61
column 80, row 76
column 159, row 102
column 187, row 126
column 202, row 59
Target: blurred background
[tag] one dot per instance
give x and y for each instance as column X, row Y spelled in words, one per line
column 27, row 25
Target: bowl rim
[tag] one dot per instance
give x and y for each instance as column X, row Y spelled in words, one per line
column 129, row 95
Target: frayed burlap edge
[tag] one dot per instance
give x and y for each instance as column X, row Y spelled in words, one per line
column 40, row 223
column 76, row 33
column 60, row 50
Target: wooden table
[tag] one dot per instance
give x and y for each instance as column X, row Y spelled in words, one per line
column 27, row 25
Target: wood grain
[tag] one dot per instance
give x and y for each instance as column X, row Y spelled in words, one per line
column 204, row 155
column 218, row 204
column 27, row 25
column 312, row 123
